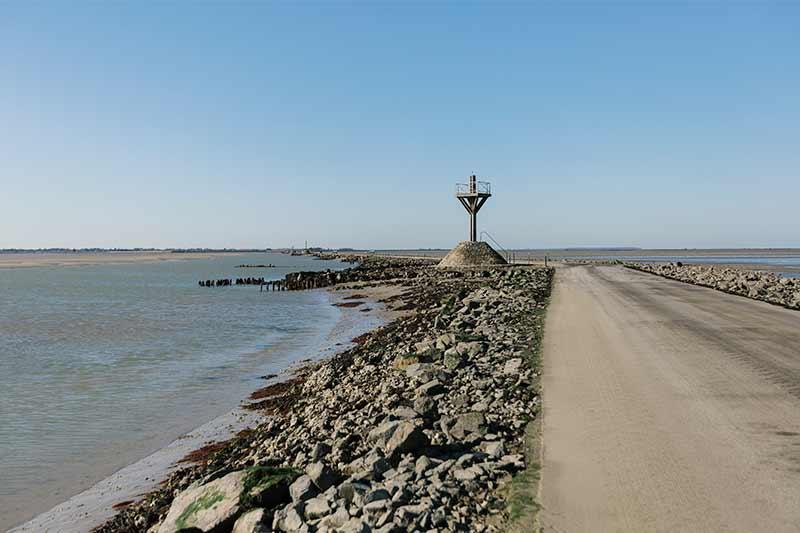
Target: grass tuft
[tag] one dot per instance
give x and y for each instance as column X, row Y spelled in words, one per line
column 260, row 478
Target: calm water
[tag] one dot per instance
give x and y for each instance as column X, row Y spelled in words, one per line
column 100, row 365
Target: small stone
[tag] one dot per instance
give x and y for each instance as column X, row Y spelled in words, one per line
column 377, row 494
column 302, row 489
column 512, row 462
column 317, row 508
column 355, row 525
column 425, row 406
column 383, row 432
column 468, row 423
column 422, row 465
column 353, row 492
column 405, row 413
column 403, row 361
column 445, row 341
column 337, row 519
column 321, row 475
column 464, row 474
column 408, row 437
column 512, row 366
column 321, row 449
column 480, row 407
column 375, row 508
column 422, row 347
column 494, row 449
column 453, row 359
column 431, row 388
column 290, row 518
column 251, row 522
column 470, row 349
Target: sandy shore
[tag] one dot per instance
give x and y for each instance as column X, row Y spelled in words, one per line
column 96, row 258
column 96, row 504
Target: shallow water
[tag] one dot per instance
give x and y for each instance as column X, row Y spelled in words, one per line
column 102, row 364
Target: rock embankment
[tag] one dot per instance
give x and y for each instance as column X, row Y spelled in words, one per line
column 371, row 269
column 763, row 286
column 419, row 427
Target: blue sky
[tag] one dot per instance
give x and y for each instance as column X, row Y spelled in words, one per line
column 347, row 124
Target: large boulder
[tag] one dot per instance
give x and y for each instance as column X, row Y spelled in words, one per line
column 216, row 505
column 398, row 436
column 210, row 507
column 408, row 437
column 468, row 424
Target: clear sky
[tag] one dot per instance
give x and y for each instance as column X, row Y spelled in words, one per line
column 265, row 124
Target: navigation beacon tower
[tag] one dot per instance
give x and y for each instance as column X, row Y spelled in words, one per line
column 472, row 196
column 472, row 253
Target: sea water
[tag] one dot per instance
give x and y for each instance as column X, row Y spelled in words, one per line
column 102, row 364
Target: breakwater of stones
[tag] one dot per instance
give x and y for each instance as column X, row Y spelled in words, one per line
column 375, row 269
column 764, row 286
column 419, row 427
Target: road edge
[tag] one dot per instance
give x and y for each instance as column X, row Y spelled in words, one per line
column 524, row 495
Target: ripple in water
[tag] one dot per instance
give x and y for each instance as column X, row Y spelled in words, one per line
column 101, row 365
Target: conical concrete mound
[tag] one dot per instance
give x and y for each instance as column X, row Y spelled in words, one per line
column 471, row 254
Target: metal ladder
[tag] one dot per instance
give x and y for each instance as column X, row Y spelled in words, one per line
column 508, row 255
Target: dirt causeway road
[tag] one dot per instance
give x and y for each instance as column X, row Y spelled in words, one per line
column 668, row 407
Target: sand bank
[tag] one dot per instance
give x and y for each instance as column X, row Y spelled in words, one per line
column 51, row 259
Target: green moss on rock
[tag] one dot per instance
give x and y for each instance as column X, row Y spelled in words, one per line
column 206, row 501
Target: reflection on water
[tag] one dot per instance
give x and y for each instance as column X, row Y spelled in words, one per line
column 95, row 361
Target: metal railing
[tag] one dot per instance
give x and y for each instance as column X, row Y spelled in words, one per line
column 509, row 258
column 478, row 187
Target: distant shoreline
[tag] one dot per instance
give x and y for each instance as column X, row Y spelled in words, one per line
column 53, row 259
column 557, row 253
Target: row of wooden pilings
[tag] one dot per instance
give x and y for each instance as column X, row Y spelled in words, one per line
column 296, row 281
column 275, row 285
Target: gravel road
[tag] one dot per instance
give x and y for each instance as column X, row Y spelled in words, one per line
column 668, row 407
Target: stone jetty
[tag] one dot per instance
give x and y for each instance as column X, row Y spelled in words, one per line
column 421, row 426
column 764, row 286
column 375, row 269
